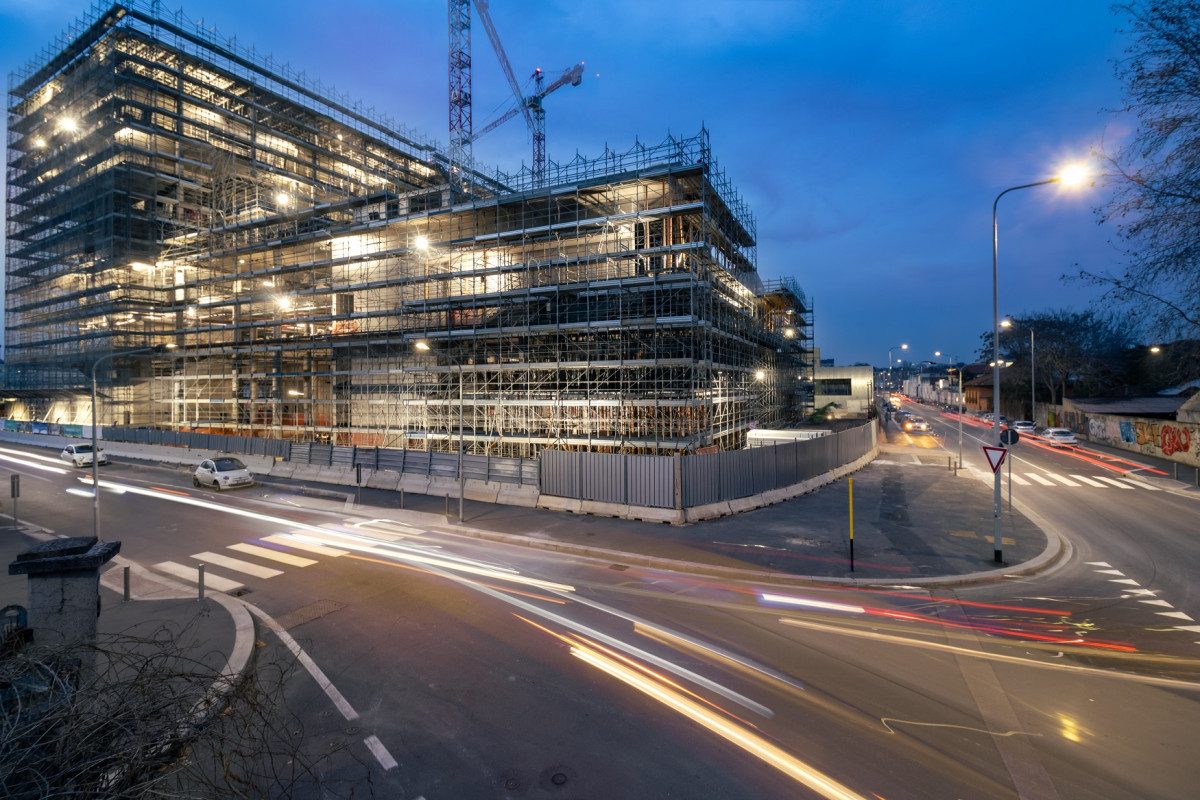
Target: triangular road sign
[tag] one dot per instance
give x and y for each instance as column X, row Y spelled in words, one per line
column 995, row 456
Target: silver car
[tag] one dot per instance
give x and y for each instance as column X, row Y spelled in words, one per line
column 1059, row 436
column 222, row 473
column 81, row 455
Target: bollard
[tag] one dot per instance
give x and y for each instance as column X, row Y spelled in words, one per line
column 201, row 581
column 447, row 505
column 126, row 595
column 949, row 463
column 1175, row 466
column 401, row 498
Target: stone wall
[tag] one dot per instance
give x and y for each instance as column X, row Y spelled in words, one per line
column 1174, row 441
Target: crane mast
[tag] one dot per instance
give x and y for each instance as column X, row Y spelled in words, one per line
column 461, row 135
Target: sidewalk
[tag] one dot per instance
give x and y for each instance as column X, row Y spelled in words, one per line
column 215, row 632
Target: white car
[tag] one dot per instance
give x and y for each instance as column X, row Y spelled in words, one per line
column 1059, row 436
column 222, row 473
column 1024, row 427
column 81, row 455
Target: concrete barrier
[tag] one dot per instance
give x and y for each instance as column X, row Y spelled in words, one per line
column 482, row 491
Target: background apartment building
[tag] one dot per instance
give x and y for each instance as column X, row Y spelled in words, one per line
column 308, row 271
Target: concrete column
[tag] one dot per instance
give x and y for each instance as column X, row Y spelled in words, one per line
column 64, row 588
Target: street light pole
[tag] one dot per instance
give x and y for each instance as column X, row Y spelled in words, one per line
column 95, row 425
column 425, row 347
column 996, row 548
column 890, row 349
column 1032, row 383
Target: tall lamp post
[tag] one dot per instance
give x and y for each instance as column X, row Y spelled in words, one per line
column 95, row 424
column 424, row 346
column 890, row 349
column 1070, row 176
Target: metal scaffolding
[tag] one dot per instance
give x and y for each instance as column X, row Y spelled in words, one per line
column 168, row 187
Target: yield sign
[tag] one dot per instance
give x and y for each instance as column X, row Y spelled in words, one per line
column 995, row 456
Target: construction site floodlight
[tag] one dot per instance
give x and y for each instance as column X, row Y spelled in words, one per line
column 422, row 345
column 68, row 124
column 422, row 243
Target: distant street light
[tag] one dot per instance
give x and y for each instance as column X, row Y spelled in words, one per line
column 95, row 424
column 1068, row 177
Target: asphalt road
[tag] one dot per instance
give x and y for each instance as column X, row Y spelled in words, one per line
column 485, row 670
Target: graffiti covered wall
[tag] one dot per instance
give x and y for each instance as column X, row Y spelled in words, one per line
column 1175, row 441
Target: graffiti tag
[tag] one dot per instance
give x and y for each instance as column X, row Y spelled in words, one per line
column 1175, row 440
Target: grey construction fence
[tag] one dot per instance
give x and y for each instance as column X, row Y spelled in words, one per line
column 705, row 478
column 245, row 445
column 494, row 469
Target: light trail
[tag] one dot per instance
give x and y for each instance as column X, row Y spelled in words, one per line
column 750, row 742
column 1153, row 680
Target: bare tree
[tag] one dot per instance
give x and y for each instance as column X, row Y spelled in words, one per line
column 151, row 720
column 1155, row 207
column 1083, row 351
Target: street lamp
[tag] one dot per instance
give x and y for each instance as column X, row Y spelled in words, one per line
column 95, row 446
column 1069, row 176
column 425, row 347
column 890, row 349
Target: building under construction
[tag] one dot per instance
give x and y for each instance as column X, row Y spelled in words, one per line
column 229, row 247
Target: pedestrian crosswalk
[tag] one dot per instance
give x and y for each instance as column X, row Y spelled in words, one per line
column 1075, row 481
column 246, row 560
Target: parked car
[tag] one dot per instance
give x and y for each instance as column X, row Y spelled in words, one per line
column 222, row 473
column 81, row 455
column 1059, row 436
column 916, row 424
column 1024, row 427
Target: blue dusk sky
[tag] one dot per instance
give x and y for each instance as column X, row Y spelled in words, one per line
column 869, row 137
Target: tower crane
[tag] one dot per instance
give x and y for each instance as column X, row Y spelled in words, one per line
column 461, row 135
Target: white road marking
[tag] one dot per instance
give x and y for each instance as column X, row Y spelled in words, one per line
column 1089, row 481
column 237, row 565
column 214, row 582
column 273, row 555
column 308, row 547
column 1163, row 603
column 1142, row 591
column 1130, row 581
column 1098, row 563
column 1114, row 482
column 1061, row 479
column 1110, row 572
column 1188, row 628
column 380, row 752
column 1040, row 479
column 305, row 659
column 1176, row 615
column 1019, row 481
